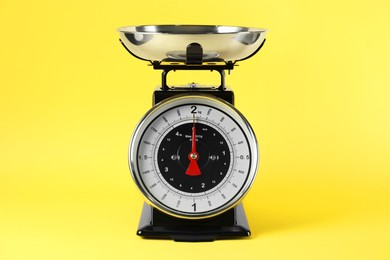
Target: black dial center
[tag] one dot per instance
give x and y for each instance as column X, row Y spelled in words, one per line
column 213, row 158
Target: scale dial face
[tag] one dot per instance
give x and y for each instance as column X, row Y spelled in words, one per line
column 193, row 156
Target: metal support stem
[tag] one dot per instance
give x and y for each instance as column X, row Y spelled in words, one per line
column 166, row 68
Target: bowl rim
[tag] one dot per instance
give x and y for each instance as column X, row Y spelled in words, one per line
column 192, row 29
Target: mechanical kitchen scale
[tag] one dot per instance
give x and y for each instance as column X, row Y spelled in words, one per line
column 193, row 155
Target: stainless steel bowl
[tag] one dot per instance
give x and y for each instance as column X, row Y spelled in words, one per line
column 159, row 42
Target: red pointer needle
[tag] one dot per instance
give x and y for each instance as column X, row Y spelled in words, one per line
column 193, row 167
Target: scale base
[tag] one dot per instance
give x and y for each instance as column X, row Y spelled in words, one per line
column 158, row 225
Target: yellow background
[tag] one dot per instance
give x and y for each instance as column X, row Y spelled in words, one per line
column 317, row 96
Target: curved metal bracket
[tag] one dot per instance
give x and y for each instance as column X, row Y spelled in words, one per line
column 166, row 68
column 138, row 57
column 256, row 51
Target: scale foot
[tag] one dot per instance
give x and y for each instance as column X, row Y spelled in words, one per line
column 158, row 225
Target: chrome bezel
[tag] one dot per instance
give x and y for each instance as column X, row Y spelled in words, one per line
column 209, row 100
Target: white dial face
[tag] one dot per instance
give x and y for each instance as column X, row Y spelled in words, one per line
column 193, row 156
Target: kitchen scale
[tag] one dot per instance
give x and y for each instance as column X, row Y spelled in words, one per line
column 193, row 155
